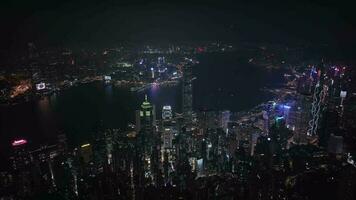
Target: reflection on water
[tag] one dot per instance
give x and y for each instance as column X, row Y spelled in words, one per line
column 44, row 106
column 81, row 110
column 108, row 92
column 46, row 118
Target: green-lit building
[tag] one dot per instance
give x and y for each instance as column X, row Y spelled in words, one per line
column 148, row 143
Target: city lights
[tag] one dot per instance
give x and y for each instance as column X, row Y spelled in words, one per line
column 19, row 142
column 178, row 100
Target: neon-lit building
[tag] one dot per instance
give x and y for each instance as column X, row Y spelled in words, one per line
column 21, row 166
column 21, row 157
column 148, row 141
column 19, row 142
column 145, row 117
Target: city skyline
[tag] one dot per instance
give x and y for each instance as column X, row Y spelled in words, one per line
column 177, row 100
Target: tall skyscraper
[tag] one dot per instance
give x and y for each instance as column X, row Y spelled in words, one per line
column 148, row 142
column 145, row 117
column 224, row 120
column 167, row 112
column 21, row 167
column 265, row 118
column 21, row 156
column 187, row 92
column 167, row 138
column 86, row 153
column 320, row 91
column 299, row 117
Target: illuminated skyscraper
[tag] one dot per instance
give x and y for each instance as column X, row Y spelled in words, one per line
column 21, row 157
column 253, row 142
column 146, row 117
column 152, row 73
column 224, row 120
column 21, row 166
column 147, row 142
column 167, row 138
column 299, row 116
column 86, row 152
column 187, row 92
column 265, row 117
column 167, row 112
column 320, row 91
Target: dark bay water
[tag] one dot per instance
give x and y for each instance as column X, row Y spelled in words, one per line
column 78, row 112
column 228, row 81
column 224, row 81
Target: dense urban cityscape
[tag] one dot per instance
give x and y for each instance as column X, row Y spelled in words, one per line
column 184, row 120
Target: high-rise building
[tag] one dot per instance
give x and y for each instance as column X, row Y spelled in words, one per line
column 265, row 118
column 86, row 153
column 62, row 142
column 43, row 158
column 253, row 142
column 146, row 117
column 21, row 156
column 187, row 87
column 320, row 91
column 305, row 85
column 21, row 166
column 148, row 142
column 224, row 120
column 152, row 73
column 167, row 138
column 167, row 112
column 161, row 60
column 335, row 144
column 299, row 115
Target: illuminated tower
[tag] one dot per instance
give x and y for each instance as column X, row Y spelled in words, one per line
column 265, row 122
column 21, row 157
column 224, row 120
column 320, row 92
column 187, row 103
column 146, row 117
column 299, row 116
column 152, row 73
column 167, row 112
column 21, row 167
column 342, row 97
column 148, row 142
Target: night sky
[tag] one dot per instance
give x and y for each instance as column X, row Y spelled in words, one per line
column 105, row 22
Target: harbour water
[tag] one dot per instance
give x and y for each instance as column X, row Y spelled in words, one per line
column 224, row 81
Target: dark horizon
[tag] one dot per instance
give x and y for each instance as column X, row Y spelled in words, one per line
column 215, row 99
column 101, row 23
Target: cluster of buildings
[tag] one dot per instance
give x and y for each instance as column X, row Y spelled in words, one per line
column 46, row 71
column 298, row 146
